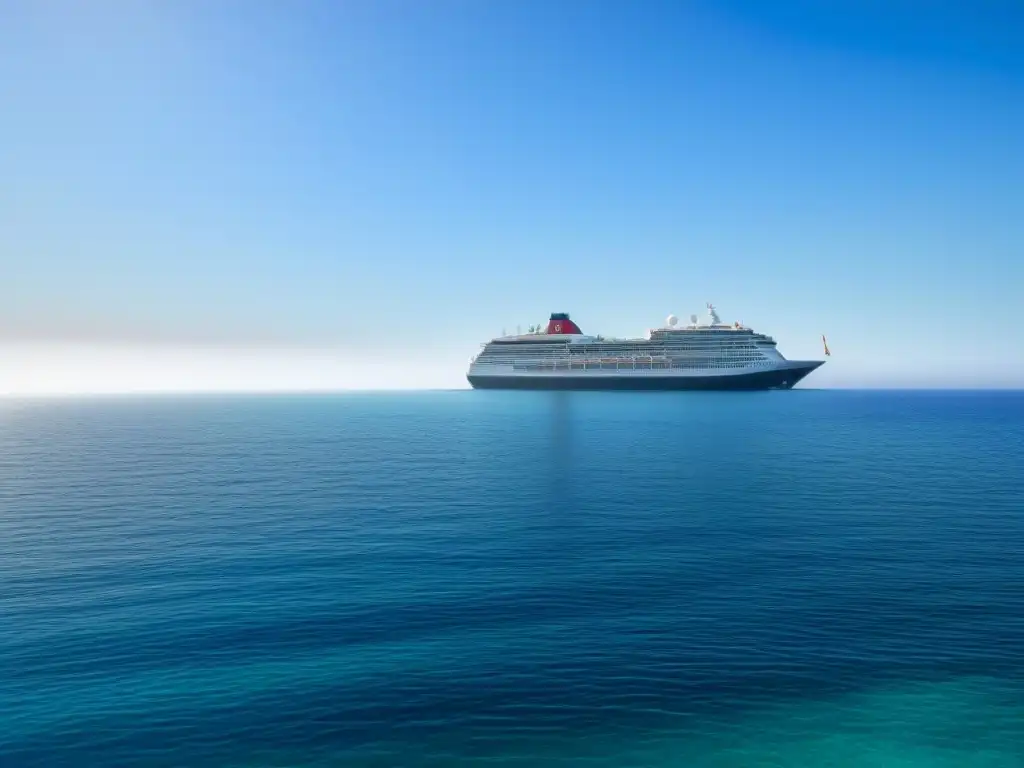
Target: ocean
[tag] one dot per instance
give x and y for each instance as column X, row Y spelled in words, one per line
column 803, row 578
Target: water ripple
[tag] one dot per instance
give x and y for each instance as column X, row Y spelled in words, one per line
column 491, row 579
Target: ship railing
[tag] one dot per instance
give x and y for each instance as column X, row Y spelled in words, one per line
column 626, row 364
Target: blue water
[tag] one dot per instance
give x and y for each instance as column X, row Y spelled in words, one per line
column 800, row 578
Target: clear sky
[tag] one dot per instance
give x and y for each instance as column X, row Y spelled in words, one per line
column 213, row 194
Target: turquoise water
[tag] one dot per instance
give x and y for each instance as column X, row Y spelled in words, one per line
column 798, row 578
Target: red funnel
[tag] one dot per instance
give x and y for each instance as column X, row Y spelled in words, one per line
column 561, row 324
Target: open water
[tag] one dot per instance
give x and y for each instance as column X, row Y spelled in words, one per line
column 802, row 578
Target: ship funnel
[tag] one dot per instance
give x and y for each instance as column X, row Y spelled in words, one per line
column 561, row 324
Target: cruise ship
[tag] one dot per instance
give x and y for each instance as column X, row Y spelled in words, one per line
column 709, row 355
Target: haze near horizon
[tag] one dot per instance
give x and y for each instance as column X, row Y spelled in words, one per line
column 254, row 196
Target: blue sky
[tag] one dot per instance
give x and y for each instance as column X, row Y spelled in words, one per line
column 356, row 194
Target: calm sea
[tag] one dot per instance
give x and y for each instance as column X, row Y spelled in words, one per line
column 800, row 578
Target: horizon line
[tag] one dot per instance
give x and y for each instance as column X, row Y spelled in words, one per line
column 410, row 390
